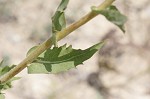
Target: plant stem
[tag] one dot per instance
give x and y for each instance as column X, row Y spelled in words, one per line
column 48, row 43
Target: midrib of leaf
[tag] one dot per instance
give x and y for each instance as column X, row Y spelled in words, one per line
column 49, row 62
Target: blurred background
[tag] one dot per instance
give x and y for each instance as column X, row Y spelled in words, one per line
column 120, row 70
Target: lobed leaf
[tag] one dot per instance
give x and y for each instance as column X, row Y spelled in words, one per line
column 60, row 59
column 113, row 15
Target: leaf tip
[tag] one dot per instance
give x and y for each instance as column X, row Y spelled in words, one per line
column 99, row 45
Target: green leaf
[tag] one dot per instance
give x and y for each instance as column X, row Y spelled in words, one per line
column 113, row 15
column 8, row 84
column 62, row 59
column 32, row 49
column 5, row 69
column 58, row 20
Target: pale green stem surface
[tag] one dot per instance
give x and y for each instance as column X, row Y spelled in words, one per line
column 48, row 43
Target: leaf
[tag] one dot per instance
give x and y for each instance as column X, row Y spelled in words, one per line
column 58, row 20
column 62, row 59
column 8, row 84
column 5, row 69
column 32, row 49
column 113, row 15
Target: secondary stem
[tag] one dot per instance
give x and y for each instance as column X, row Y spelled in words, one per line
column 48, row 43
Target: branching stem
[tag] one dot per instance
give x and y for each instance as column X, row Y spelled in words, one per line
column 48, row 43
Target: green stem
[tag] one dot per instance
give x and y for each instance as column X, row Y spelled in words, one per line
column 48, row 43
